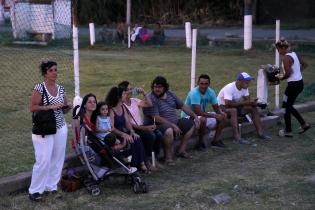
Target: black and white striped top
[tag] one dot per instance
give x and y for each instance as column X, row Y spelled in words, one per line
column 60, row 119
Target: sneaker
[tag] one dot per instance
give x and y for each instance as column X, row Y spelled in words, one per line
column 288, row 134
column 264, row 137
column 35, row 197
column 304, row 128
column 218, row 144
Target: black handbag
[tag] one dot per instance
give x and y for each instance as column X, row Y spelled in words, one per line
column 44, row 121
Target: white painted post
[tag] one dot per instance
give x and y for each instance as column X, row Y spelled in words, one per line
column 262, row 88
column 153, row 159
column 76, row 61
column 188, row 34
column 129, row 41
column 193, row 58
column 277, row 63
column 248, row 22
column 92, row 34
column 128, row 20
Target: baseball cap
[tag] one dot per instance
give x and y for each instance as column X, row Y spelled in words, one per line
column 244, row 76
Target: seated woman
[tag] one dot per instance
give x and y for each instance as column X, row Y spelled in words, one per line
column 150, row 136
column 122, row 128
column 86, row 113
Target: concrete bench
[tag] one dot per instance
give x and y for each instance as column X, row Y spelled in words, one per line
column 22, row 180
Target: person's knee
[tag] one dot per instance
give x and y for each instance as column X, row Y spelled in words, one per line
column 232, row 112
column 169, row 136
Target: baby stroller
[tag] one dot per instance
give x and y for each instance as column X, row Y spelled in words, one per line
column 100, row 160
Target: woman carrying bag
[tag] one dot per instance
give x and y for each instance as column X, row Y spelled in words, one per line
column 49, row 146
column 292, row 66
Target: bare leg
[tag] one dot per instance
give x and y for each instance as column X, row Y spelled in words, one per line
column 218, row 131
column 168, row 144
column 184, row 140
column 232, row 112
column 256, row 118
column 202, row 130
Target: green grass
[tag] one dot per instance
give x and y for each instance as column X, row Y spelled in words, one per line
column 271, row 175
column 100, row 69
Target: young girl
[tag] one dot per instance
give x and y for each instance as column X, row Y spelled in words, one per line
column 103, row 128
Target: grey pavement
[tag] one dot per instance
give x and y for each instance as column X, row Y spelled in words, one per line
column 258, row 33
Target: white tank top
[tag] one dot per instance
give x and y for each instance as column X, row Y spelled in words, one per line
column 296, row 74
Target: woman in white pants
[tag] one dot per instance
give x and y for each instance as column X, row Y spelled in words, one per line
column 49, row 149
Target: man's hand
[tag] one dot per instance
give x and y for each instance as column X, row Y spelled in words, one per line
column 150, row 127
column 176, row 130
column 197, row 122
column 220, row 117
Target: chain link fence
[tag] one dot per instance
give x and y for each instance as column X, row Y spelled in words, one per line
column 37, row 31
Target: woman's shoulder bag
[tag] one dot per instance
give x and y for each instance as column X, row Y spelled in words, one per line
column 44, row 121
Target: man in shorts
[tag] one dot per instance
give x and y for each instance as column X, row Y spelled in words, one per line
column 198, row 100
column 235, row 95
column 163, row 114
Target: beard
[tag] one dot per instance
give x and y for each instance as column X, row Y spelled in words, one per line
column 160, row 95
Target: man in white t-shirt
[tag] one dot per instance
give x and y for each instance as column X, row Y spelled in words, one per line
column 235, row 95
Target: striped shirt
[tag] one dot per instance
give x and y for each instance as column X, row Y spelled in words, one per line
column 60, row 119
column 164, row 107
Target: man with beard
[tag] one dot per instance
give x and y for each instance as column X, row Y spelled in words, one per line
column 163, row 114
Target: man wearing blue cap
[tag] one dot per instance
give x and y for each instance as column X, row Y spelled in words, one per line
column 235, row 95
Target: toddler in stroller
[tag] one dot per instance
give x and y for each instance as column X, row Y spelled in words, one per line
column 101, row 156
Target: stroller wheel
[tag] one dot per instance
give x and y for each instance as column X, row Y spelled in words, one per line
column 95, row 191
column 144, row 187
column 136, row 187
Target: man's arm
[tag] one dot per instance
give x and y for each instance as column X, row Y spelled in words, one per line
column 245, row 102
column 199, row 112
column 187, row 110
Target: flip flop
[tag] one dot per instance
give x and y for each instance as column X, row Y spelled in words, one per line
column 170, row 162
column 184, row 155
column 305, row 128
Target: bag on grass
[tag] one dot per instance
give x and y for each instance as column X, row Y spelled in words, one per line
column 44, row 121
column 71, row 181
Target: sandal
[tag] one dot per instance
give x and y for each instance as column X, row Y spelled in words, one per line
column 144, row 169
column 170, row 162
column 304, row 128
column 184, row 155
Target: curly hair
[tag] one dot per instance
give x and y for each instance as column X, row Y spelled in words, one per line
column 45, row 65
column 113, row 96
column 160, row 80
column 282, row 43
